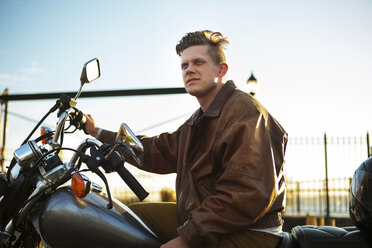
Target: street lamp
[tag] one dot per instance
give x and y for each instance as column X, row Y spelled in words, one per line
column 252, row 85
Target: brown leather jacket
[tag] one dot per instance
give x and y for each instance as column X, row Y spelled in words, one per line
column 229, row 164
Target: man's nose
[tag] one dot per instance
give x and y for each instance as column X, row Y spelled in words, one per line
column 190, row 69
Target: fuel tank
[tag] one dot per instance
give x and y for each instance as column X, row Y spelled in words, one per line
column 67, row 221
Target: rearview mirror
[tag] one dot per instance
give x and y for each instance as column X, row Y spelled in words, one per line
column 90, row 72
column 129, row 141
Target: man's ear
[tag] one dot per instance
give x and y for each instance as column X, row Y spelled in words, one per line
column 223, row 70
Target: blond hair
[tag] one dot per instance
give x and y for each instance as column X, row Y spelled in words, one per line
column 215, row 40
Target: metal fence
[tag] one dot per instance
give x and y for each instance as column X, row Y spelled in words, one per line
column 319, row 171
column 314, row 157
column 309, row 197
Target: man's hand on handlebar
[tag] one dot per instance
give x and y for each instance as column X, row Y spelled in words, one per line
column 91, row 126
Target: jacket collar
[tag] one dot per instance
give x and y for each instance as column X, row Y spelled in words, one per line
column 215, row 108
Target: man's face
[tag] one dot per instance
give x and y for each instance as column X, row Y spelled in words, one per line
column 199, row 72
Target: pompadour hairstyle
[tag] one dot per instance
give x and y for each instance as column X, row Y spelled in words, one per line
column 215, row 40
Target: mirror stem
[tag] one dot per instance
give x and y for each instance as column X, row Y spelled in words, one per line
column 79, row 92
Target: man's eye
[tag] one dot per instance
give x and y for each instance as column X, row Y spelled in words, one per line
column 198, row 62
column 184, row 66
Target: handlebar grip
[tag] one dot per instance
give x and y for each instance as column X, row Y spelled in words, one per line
column 82, row 123
column 79, row 120
column 132, row 182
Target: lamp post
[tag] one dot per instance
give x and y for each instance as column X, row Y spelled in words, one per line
column 252, row 85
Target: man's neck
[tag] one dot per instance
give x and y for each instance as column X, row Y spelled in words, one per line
column 206, row 100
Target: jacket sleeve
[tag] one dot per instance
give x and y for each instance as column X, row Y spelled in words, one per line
column 160, row 151
column 246, row 188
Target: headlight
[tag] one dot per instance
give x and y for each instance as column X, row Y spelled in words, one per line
column 27, row 153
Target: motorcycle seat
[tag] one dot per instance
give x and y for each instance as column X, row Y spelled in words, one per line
column 286, row 241
column 328, row 236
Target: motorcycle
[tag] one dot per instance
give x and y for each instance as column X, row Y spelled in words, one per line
column 40, row 208
column 45, row 202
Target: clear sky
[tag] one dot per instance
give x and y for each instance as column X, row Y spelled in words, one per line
column 312, row 59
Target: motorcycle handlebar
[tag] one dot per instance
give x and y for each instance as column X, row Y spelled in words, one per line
column 83, row 146
column 79, row 120
column 61, row 123
column 132, row 182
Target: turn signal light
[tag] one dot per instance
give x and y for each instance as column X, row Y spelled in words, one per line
column 81, row 185
column 44, row 130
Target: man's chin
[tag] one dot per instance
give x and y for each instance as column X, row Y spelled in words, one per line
column 189, row 89
column 192, row 92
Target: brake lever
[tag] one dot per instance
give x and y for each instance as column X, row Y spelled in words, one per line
column 113, row 161
column 93, row 163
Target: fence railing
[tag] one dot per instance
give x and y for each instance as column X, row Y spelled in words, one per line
column 319, row 171
column 310, row 158
column 309, row 197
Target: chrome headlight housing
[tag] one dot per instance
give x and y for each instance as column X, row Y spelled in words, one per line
column 27, row 153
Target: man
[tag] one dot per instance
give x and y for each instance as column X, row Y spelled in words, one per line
column 228, row 157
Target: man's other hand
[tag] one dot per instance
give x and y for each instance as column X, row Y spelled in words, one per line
column 90, row 126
